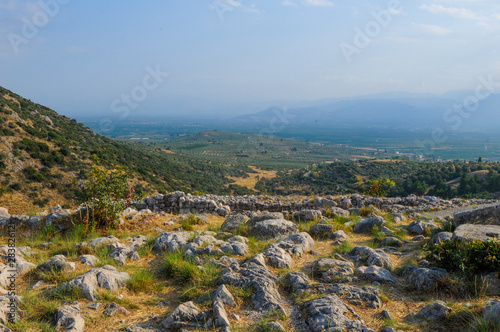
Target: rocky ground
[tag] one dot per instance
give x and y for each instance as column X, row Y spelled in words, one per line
column 349, row 263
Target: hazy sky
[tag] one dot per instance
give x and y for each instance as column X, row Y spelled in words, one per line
column 87, row 56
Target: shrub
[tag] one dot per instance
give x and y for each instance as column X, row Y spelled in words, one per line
column 103, row 195
column 470, row 257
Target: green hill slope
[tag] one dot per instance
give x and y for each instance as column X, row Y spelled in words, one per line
column 42, row 151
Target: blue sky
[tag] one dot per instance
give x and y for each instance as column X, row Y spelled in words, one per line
column 82, row 56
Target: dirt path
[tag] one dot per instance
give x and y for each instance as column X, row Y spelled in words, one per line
column 451, row 212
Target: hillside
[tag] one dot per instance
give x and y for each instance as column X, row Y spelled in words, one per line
column 42, row 151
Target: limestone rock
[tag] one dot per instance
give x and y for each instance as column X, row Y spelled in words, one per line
column 483, row 233
column 233, row 222
column 375, row 273
column 171, row 241
column 366, row 225
column 107, row 277
column 434, row 311
column 69, row 318
column 273, row 228
column 328, row 313
column 423, row 278
column 56, row 263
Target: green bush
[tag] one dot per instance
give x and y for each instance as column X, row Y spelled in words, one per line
column 469, row 257
column 103, row 195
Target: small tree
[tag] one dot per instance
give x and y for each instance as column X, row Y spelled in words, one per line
column 378, row 188
column 103, row 195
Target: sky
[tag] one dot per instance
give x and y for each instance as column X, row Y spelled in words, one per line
column 84, row 58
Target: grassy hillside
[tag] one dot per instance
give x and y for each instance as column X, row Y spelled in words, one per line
column 42, row 151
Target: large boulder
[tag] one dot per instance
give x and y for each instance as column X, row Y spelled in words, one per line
column 375, row 273
column 256, row 217
column 297, row 244
column 233, row 222
column 69, row 318
column 424, row 278
column 434, row 311
column 321, row 231
column 107, row 277
column 307, row 215
column 441, row 237
column 370, row 256
column 330, row 313
column 483, row 233
column 366, row 225
column 419, row 227
column 273, row 228
column 183, row 314
column 171, row 241
column 489, row 215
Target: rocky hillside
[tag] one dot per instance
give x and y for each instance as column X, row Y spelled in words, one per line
column 345, row 263
column 42, row 151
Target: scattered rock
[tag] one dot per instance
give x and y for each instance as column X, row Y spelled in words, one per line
column 375, row 273
column 298, row 281
column 107, row 277
column 434, row 311
column 483, row 233
column 69, row 318
column 423, row 278
column 441, row 237
column 273, row 228
column 112, row 309
column 307, row 215
column 419, row 227
column 353, row 294
column 56, row 263
column 102, row 241
column 183, row 314
column 171, row 241
column 89, row 260
column 321, row 231
column 328, row 313
column 371, row 256
column 491, row 311
column 233, row 222
column 366, row 225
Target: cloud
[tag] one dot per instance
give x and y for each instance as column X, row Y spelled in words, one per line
column 496, row 16
column 320, row 3
column 452, row 11
column 434, row 29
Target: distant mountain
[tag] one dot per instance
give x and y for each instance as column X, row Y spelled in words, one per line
column 391, row 109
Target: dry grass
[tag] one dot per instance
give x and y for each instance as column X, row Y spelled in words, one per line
column 250, row 181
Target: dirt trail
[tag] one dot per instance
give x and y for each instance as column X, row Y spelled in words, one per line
column 451, row 212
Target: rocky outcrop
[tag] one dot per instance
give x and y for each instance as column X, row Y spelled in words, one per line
column 330, row 313
column 107, row 277
column 68, row 318
column 487, row 216
column 483, row 233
